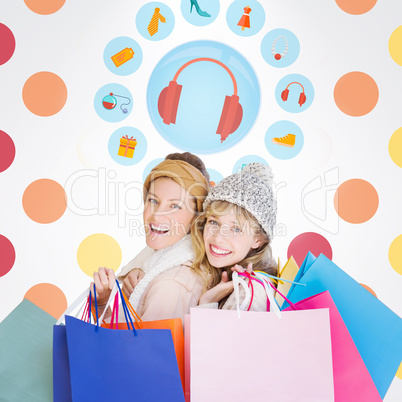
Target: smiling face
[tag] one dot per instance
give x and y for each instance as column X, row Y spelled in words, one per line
column 168, row 213
column 228, row 238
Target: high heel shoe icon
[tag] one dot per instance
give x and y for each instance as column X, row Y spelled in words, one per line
column 198, row 9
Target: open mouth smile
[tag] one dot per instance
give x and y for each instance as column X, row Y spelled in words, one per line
column 218, row 252
column 158, row 230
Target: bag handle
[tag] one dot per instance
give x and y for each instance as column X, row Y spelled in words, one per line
column 126, row 310
column 236, row 282
column 73, row 306
column 270, row 293
column 115, row 312
column 280, row 279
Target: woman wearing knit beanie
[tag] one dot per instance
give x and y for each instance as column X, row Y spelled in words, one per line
column 234, row 234
column 160, row 281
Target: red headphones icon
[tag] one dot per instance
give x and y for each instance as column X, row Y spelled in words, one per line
column 232, row 112
column 302, row 97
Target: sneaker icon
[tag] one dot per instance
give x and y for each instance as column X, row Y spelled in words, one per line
column 286, row 141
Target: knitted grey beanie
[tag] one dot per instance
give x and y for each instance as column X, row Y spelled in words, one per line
column 250, row 189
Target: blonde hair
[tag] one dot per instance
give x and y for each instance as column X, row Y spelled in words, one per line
column 261, row 257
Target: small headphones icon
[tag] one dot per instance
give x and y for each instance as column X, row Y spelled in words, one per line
column 302, row 97
column 232, row 112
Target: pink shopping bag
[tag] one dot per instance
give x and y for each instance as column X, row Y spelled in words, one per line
column 352, row 381
column 260, row 357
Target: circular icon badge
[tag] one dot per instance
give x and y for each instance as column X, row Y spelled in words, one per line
column 113, row 103
column 155, row 21
column 122, row 55
column 214, row 177
column 200, row 12
column 245, row 160
column 284, row 140
column 294, row 93
column 245, row 18
column 127, row 146
column 280, row 48
column 203, row 97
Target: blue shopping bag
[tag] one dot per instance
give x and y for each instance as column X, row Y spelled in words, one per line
column 61, row 366
column 375, row 329
column 111, row 364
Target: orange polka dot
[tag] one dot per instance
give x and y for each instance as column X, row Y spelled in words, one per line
column 44, row 93
column 356, row 7
column 49, row 298
column 356, row 201
column 44, row 201
column 356, row 94
column 369, row 289
column 44, row 7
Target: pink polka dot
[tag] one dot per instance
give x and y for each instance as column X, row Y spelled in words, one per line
column 7, row 151
column 7, row 42
column 309, row 241
column 7, row 255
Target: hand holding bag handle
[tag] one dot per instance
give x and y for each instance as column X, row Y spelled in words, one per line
column 238, row 281
column 79, row 300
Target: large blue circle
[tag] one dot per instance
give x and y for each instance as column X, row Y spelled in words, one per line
column 204, row 88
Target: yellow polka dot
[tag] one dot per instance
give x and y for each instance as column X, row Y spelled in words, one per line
column 395, row 45
column 98, row 250
column 395, row 147
column 399, row 372
column 395, row 254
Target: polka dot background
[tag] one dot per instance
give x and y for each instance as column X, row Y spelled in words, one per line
column 356, row 94
column 7, row 44
column 64, row 213
column 356, row 201
column 44, row 201
column 44, row 93
column 305, row 242
column 48, row 297
column 44, row 7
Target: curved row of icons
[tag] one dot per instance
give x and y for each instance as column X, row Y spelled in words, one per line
column 123, row 55
column 169, row 99
column 128, row 146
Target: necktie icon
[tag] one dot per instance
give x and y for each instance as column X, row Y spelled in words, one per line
column 153, row 25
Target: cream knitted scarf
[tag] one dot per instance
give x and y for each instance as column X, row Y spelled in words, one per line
column 154, row 262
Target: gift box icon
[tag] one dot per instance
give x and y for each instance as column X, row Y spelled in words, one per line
column 127, row 146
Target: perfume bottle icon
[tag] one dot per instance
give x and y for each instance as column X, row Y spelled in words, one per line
column 109, row 102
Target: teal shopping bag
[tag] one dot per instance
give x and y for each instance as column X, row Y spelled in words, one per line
column 375, row 329
column 26, row 354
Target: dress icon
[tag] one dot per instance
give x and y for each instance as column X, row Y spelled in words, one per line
column 154, row 23
column 245, row 19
